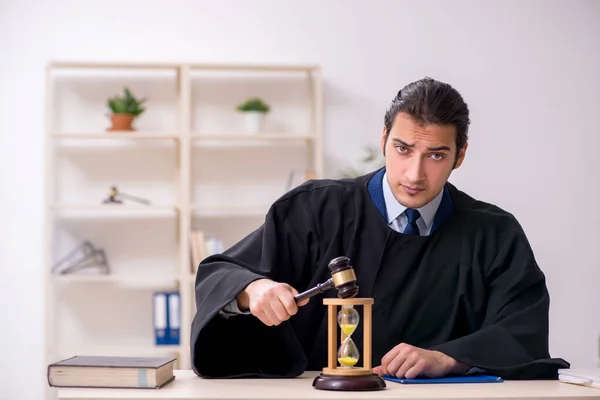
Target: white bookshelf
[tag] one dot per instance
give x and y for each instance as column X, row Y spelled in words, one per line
column 189, row 156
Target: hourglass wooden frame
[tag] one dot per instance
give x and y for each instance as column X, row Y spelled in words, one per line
column 332, row 327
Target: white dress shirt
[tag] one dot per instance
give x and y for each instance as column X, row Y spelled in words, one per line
column 396, row 217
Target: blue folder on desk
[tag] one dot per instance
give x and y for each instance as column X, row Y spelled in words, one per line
column 478, row 378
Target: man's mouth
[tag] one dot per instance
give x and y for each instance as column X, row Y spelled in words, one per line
column 412, row 190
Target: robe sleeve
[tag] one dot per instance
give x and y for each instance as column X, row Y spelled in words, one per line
column 513, row 339
column 241, row 345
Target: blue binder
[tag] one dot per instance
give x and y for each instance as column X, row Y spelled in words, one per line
column 174, row 318
column 160, row 317
column 476, row 378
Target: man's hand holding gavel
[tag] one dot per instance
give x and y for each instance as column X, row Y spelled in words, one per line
column 274, row 302
column 271, row 302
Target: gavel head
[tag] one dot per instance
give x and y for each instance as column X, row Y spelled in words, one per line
column 344, row 279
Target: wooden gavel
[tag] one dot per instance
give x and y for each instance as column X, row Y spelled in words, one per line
column 342, row 278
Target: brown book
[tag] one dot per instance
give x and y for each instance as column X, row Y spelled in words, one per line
column 112, row 372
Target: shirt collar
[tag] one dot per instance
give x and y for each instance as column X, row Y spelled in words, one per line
column 394, row 208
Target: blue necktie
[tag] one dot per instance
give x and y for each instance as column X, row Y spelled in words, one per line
column 412, row 216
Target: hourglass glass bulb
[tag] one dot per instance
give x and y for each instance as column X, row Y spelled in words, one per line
column 348, row 319
column 348, row 353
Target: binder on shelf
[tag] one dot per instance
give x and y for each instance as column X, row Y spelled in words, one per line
column 174, row 315
column 167, row 318
column 160, row 318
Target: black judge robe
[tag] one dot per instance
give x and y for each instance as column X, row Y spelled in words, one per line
column 471, row 289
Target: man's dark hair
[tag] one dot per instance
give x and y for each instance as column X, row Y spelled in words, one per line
column 428, row 101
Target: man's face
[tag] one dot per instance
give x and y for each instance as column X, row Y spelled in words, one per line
column 419, row 159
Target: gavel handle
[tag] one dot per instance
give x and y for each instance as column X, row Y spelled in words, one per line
column 320, row 288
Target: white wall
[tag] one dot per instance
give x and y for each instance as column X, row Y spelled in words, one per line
column 530, row 71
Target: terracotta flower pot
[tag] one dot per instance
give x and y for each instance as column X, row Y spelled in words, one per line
column 121, row 122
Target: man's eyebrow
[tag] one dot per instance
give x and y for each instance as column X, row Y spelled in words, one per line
column 402, row 142
column 438, row 148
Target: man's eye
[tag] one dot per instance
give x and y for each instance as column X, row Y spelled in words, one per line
column 437, row 156
column 401, row 149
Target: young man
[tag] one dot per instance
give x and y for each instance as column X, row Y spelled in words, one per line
column 455, row 282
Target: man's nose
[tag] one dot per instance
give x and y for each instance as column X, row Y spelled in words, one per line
column 414, row 171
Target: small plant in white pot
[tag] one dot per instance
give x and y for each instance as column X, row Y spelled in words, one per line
column 254, row 110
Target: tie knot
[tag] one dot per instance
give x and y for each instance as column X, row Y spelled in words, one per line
column 412, row 215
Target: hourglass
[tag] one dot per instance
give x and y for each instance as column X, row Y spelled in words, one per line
column 344, row 370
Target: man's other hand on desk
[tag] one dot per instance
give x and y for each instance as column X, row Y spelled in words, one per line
column 406, row 361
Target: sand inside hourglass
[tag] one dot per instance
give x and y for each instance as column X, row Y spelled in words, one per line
column 347, row 361
column 348, row 329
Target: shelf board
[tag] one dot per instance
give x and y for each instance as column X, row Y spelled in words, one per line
column 116, row 135
column 255, row 67
column 225, row 137
column 112, row 65
column 229, row 212
column 193, row 66
column 130, row 280
column 249, row 140
column 116, row 349
column 112, row 207
column 114, row 210
column 252, row 137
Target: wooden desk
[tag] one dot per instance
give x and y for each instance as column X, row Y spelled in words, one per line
column 188, row 386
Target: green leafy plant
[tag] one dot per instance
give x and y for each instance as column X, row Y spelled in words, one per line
column 254, row 104
column 127, row 104
column 372, row 160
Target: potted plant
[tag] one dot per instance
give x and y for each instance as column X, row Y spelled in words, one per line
column 254, row 110
column 124, row 110
column 372, row 160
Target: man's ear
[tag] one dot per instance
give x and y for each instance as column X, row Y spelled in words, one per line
column 461, row 155
column 383, row 140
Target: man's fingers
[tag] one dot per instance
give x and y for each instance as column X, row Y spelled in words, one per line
column 300, row 303
column 303, row 302
column 270, row 315
column 263, row 318
column 409, row 362
column 389, row 356
column 416, row 369
column 405, row 352
column 397, row 356
column 287, row 300
column 394, row 366
column 279, row 310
